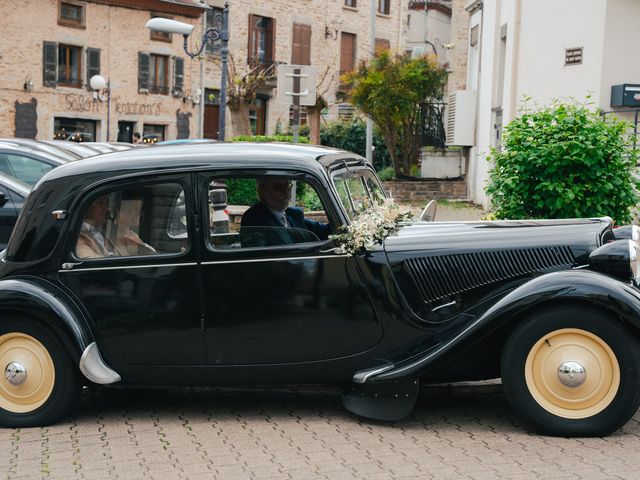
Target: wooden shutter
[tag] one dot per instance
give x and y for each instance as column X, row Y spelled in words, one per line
column 178, row 76
column 305, row 49
column 143, row 72
column 347, row 52
column 271, row 40
column 296, row 43
column 93, row 64
column 251, row 50
column 50, row 64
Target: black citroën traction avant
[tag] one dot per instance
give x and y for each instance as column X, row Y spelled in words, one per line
column 550, row 307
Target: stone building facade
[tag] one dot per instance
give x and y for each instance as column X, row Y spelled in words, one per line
column 331, row 35
column 51, row 48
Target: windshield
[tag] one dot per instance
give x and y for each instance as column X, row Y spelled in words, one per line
column 357, row 189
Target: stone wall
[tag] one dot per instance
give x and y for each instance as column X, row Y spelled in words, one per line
column 419, row 192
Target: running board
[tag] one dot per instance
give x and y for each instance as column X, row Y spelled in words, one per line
column 387, row 401
column 93, row 367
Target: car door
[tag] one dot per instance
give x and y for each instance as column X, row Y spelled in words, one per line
column 140, row 287
column 271, row 304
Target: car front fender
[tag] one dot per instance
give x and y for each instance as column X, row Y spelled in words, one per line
column 578, row 286
column 48, row 303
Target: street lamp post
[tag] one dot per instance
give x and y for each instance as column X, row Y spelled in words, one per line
column 102, row 88
column 210, row 37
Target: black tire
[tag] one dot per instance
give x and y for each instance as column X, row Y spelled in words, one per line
column 52, row 383
column 609, row 394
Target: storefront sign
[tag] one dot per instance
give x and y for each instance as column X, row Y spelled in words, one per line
column 135, row 108
column 26, row 119
column 86, row 103
column 82, row 103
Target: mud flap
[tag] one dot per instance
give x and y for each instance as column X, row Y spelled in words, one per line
column 382, row 400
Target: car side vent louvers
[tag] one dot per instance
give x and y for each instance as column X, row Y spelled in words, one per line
column 439, row 277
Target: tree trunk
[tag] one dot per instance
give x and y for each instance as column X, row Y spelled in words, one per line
column 240, row 120
column 313, row 117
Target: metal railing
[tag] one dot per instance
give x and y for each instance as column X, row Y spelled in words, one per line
column 431, row 130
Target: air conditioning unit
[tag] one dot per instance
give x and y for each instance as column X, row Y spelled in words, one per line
column 461, row 118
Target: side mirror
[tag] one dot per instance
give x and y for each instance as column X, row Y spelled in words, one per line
column 429, row 212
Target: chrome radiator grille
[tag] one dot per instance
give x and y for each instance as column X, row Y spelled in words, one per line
column 438, row 277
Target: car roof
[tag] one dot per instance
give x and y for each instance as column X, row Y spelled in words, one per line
column 78, row 148
column 204, row 155
column 14, row 184
column 39, row 148
column 7, row 147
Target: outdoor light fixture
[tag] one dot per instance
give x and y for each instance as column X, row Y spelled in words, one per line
column 28, row 84
column 102, row 92
column 331, row 33
column 210, row 37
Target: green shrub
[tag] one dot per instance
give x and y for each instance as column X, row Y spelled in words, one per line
column 269, row 138
column 353, row 137
column 241, row 191
column 563, row 161
column 386, row 174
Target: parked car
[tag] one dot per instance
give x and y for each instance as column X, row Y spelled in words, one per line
column 81, row 149
column 13, row 193
column 550, row 306
column 45, row 147
column 25, row 163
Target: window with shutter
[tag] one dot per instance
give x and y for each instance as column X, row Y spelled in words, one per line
column 93, row 64
column 143, row 72
column 69, row 66
column 261, row 40
column 178, row 77
column 347, row 52
column 351, row 3
column 158, row 74
column 384, row 6
column 301, row 44
column 50, row 64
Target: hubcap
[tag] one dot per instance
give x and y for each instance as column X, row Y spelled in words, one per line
column 16, row 373
column 29, row 374
column 556, row 373
column 572, row 374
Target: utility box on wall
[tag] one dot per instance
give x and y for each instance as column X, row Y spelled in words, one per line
column 461, row 118
column 625, row 95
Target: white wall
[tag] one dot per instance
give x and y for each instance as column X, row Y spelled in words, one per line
column 534, row 66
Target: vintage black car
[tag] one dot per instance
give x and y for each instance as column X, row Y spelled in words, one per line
column 164, row 298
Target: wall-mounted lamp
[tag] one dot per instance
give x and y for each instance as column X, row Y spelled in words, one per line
column 331, row 33
column 28, row 84
column 102, row 92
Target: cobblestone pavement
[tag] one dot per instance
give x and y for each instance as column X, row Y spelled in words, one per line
column 455, row 432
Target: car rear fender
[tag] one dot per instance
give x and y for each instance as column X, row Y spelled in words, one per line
column 45, row 301
column 577, row 286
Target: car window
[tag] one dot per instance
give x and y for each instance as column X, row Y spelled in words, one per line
column 255, row 212
column 25, row 169
column 357, row 189
column 133, row 221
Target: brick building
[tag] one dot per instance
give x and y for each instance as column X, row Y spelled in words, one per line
column 331, row 35
column 51, row 48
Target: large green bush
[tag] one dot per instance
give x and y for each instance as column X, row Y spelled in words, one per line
column 352, row 136
column 564, row 161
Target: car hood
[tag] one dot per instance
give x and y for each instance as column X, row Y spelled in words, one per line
column 581, row 236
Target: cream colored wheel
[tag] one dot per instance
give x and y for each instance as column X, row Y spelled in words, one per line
column 572, row 373
column 572, row 370
column 28, row 373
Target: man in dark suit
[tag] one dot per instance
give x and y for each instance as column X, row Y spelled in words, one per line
column 280, row 223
